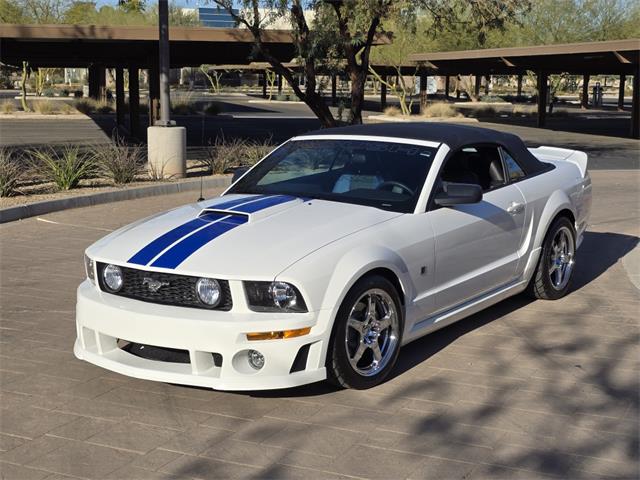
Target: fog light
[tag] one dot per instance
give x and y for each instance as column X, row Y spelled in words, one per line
column 256, row 359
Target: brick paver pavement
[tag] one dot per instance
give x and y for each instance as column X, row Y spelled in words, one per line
column 523, row 389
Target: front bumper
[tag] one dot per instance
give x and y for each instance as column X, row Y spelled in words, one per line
column 103, row 319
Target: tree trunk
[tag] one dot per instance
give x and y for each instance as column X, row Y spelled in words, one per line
column 358, row 80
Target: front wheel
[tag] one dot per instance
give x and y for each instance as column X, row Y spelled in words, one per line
column 366, row 336
column 552, row 277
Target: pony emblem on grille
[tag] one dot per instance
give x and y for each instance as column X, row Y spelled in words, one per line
column 153, row 284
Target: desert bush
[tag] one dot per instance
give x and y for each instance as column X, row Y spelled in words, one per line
column 49, row 92
column 392, row 112
column 524, row 110
column 66, row 109
column 224, row 154
column 65, row 92
column 561, row 112
column 440, row 109
column 7, row 107
column 10, row 173
column 118, row 161
column 85, row 105
column 104, row 107
column 78, row 93
column 44, row 107
column 282, row 97
column 491, row 99
column 183, row 104
column 65, row 167
column 484, row 111
column 212, row 108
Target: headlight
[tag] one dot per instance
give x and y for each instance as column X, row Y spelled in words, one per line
column 89, row 268
column 208, row 291
column 274, row 297
column 112, row 276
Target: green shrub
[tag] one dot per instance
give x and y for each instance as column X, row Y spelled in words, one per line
column 485, row 111
column 183, row 104
column 10, row 173
column 78, row 93
column 86, row 106
column 48, row 92
column 65, row 167
column 65, row 92
column 282, row 97
column 7, row 107
column 491, row 99
column 212, row 108
column 118, row 161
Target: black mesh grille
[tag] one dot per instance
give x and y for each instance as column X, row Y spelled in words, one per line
column 180, row 289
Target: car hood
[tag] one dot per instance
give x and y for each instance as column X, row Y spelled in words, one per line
column 235, row 236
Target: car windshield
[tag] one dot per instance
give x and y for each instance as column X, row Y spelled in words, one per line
column 382, row 174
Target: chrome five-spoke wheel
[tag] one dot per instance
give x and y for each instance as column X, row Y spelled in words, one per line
column 561, row 258
column 367, row 334
column 371, row 332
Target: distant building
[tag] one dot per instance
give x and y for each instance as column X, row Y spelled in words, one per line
column 216, row 17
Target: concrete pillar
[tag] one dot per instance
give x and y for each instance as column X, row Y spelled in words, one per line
column 383, row 94
column 635, row 107
column 154, row 95
column 134, row 102
column 446, row 87
column 477, row 85
column 584, row 102
column 621, row 93
column 487, row 82
column 543, row 92
column 264, row 84
column 519, row 94
column 334, row 88
column 167, row 151
column 119, row 96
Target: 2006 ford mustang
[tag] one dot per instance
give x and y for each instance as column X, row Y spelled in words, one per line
column 331, row 253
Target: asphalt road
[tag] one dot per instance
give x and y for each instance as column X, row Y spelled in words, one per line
column 594, row 132
column 521, row 390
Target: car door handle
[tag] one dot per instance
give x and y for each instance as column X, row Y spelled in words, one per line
column 515, row 208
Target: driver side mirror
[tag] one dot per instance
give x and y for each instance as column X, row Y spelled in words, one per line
column 238, row 172
column 458, row 194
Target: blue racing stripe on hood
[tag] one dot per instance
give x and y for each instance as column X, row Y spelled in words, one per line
column 235, row 202
column 153, row 249
column 265, row 203
column 182, row 250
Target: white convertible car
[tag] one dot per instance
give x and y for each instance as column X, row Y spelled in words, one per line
column 331, row 253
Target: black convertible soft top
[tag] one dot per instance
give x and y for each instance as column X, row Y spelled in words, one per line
column 455, row 136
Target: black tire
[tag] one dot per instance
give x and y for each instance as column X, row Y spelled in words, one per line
column 541, row 285
column 339, row 368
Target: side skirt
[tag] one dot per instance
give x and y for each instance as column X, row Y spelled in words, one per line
column 436, row 322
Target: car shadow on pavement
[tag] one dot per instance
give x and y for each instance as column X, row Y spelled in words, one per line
column 598, row 252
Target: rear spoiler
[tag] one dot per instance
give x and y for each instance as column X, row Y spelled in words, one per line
column 578, row 158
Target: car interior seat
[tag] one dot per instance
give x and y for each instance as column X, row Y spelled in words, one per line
column 359, row 172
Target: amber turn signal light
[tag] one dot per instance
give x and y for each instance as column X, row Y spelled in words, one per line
column 299, row 332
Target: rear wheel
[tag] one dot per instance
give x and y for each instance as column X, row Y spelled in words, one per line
column 366, row 336
column 552, row 277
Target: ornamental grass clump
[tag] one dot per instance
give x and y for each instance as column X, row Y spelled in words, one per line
column 7, row 107
column 64, row 166
column 118, row 161
column 10, row 173
column 224, row 154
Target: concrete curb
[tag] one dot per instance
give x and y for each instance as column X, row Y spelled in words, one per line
column 20, row 212
column 416, row 118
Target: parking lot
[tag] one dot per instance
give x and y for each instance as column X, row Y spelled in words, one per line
column 522, row 390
